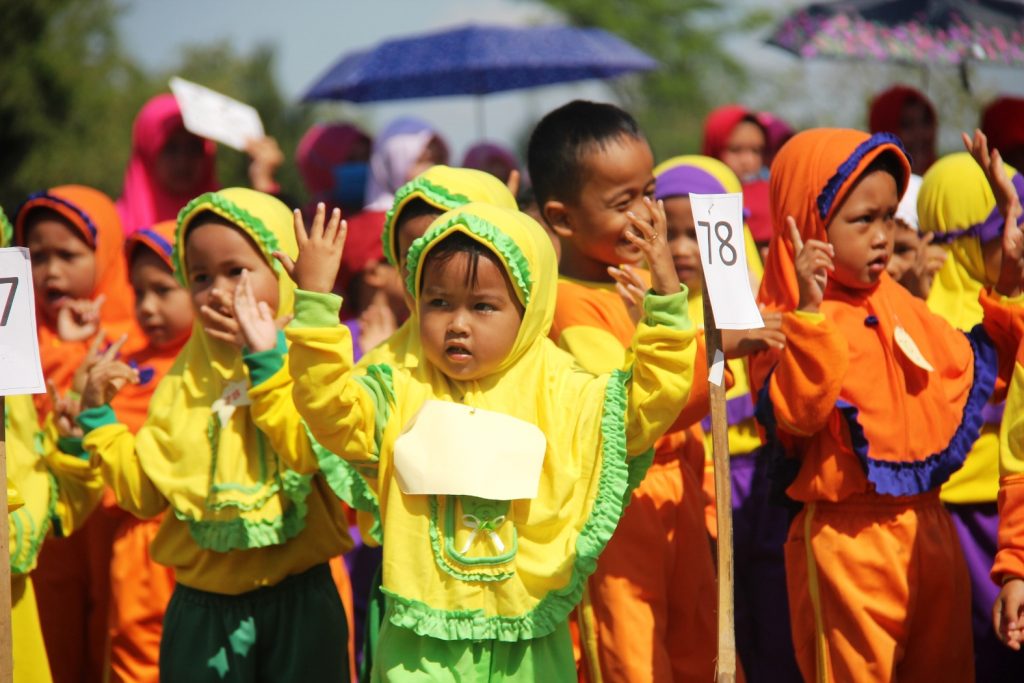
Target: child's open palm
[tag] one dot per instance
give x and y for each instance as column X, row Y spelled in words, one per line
column 813, row 261
column 256, row 323
column 652, row 241
column 1011, row 271
column 316, row 267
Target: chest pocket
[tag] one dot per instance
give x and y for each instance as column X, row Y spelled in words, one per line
column 473, row 539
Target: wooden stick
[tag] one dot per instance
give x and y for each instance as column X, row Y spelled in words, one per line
column 726, row 668
column 6, row 640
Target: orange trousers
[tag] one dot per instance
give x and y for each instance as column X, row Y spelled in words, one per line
column 72, row 585
column 652, row 598
column 879, row 591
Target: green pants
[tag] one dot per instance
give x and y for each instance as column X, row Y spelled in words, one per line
column 294, row 631
column 404, row 656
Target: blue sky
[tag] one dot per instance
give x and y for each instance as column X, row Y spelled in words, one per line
column 310, row 35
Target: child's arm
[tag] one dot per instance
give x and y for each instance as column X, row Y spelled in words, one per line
column 345, row 414
column 805, row 381
column 1008, row 569
column 111, row 445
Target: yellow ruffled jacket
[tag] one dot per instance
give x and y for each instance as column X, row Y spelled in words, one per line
column 223, row 446
column 446, row 578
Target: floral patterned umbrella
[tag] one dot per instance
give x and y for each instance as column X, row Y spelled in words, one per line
column 907, row 31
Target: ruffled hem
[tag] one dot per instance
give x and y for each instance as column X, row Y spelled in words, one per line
column 244, row 534
column 26, row 543
column 898, row 478
column 518, row 267
column 616, row 481
column 430, row 193
column 348, row 485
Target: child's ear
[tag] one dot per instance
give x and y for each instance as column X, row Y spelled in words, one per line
column 557, row 216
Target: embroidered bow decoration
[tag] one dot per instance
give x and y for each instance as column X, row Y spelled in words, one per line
column 487, row 526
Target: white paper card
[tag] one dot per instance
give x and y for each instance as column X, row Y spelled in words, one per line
column 209, row 114
column 452, row 449
column 718, row 219
column 20, row 368
column 716, row 373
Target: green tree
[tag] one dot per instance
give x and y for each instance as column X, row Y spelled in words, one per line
column 696, row 72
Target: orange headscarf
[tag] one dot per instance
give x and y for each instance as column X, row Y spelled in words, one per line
column 132, row 403
column 92, row 214
column 909, row 428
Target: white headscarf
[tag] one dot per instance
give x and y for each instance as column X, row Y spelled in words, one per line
column 395, row 151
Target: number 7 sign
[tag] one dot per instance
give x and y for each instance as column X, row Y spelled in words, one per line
column 20, row 369
column 719, row 222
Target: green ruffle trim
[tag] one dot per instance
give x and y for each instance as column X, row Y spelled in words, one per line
column 344, row 478
column 554, row 608
column 348, row 485
column 486, row 232
column 225, row 208
column 6, row 230
column 244, row 534
column 28, row 533
column 432, row 194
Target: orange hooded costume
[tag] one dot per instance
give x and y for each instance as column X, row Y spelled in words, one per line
column 867, row 437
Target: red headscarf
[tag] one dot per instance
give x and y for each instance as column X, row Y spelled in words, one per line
column 132, row 403
column 888, row 423
column 143, row 201
column 92, row 214
column 887, row 108
column 323, row 147
column 1003, row 123
column 718, row 126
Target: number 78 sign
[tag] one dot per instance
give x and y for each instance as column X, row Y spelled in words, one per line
column 20, row 371
column 718, row 219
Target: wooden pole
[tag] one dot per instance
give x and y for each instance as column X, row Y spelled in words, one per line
column 726, row 661
column 6, row 640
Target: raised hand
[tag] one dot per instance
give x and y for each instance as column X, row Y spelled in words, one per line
column 995, row 171
column 255, row 320
column 107, row 377
column 1008, row 614
column 267, row 157
column 65, row 410
column 316, row 268
column 813, row 261
column 95, row 354
column 79, row 319
column 652, row 241
column 631, row 289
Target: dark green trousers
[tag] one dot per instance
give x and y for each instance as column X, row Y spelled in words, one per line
column 294, row 631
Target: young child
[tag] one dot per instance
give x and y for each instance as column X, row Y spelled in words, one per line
column 487, row 548
column 141, row 588
column 958, row 208
column 593, row 174
column 249, row 527
column 54, row 493
column 907, row 112
column 759, row 525
column 876, row 401
column 915, row 259
column 82, row 291
column 417, row 203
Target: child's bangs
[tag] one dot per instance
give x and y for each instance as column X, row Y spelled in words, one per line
column 460, row 242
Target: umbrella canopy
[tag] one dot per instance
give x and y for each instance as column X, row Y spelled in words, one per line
column 908, row 31
column 476, row 60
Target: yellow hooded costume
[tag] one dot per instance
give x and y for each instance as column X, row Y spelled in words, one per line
column 467, row 567
column 222, row 445
column 954, row 201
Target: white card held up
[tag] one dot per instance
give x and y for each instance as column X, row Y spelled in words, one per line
column 20, row 369
column 209, row 114
column 456, row 450
column 719, row 223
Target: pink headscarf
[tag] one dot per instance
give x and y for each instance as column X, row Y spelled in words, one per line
column 491, row 158
column 323, row 147
column 143, row 201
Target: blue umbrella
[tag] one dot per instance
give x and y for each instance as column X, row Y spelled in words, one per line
column 476, row 60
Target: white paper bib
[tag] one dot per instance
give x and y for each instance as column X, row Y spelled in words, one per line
column 451, row 449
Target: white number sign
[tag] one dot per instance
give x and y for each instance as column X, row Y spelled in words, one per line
column 209, row 114
column 20, row 370
column 719, row 222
